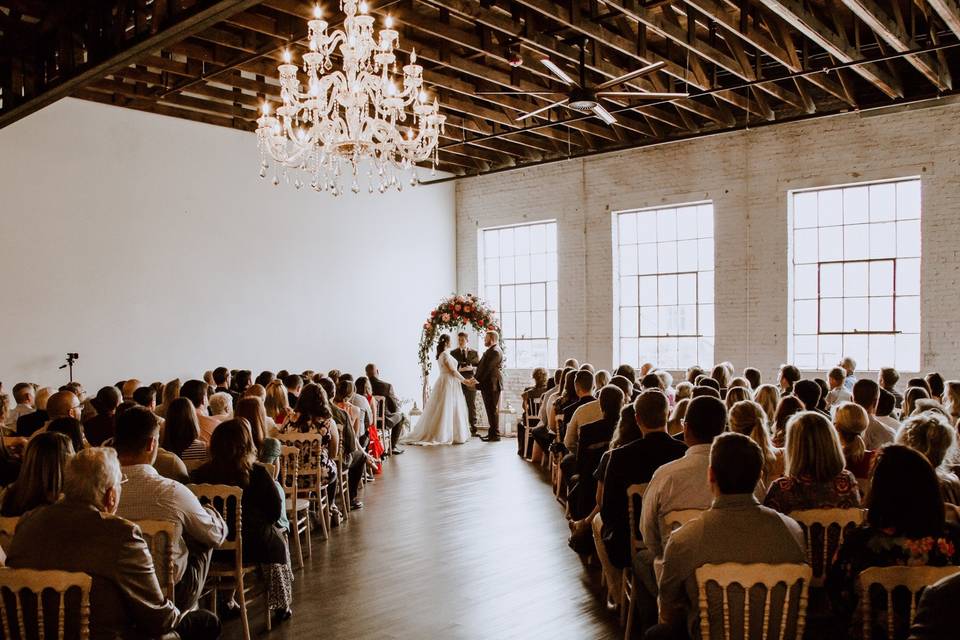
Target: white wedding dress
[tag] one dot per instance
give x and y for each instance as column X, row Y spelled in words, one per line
column 445, row 419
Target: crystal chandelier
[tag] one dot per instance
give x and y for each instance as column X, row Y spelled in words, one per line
column 350, row 120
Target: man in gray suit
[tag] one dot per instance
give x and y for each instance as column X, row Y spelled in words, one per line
column 80, row 533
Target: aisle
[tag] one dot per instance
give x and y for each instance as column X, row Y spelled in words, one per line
column 455, row 542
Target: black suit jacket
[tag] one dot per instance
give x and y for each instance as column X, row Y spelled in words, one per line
column 489, row 376
column 938, row 617
column 31, row 422
column 632, row 463
column 385, row 389
column 466, row 357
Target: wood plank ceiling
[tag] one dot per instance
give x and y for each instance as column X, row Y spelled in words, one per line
column 743, row 62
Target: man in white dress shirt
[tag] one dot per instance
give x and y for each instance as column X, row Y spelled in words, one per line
column 23, row 395
column 866, row 393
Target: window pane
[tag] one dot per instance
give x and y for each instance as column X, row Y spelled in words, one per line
column 667, row 357
column 883, row 202
column 508, row 299
column 687, row 319
column 705, row 321
column 881, row 278
column 857, row 347
column 805, row 352
column 908, row 352
column 705, row 253
column 538, row 267
column 628, row 260
column 831, row 207
column 831, row 280
column 493, row 297
column 855, row 314
column 648, row 290
column 538, row 324
column 908, row 201
column 908, row 314
column 551, row 266
column 629, row 322
column 492, row 272
column 686, row 223
column 646, row 350
column 628, row 292
column 523, row 297
column 856, row 205
column 538, row 297
column 883, row 240
column 705, row 286
column 552, row 296
column 648, row 321
column 908, row 239
column 523, row 324
column 687, row 255
column 551, row 232
column 805, row 317
column 507, row 270
column 523, row 268
column 883, row 351
column 628, row 351
column 881, row 314
column 705, row 221
column 908, row 277
column 521, row 241
column 831, row 243
column 523, row 348
column 856, row 242
column 667, row 290
column 686, row 352
column 646, row 226
column 509, row 324
column 538, row 239
column 831, row 351
column 704, row 351
column 506, row 242
column 627, row 233
column 552, row 330
column 667, row 317
column 831, row 314
column 805, row 246
column 855, row 279
column 647, row 255
column 511, row 353
column 666, row 257
column 805, row 281
column 687, row 288
column 666, row 225
column 491, row 244
column 805, row 210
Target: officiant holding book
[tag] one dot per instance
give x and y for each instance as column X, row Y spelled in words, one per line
column 467, row 360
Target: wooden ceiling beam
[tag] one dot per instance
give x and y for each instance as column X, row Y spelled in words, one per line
column 949, row 12
column 804, row 21
column 896, row 36
column 201, row 16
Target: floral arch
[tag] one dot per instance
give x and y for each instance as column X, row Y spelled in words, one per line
column 454, row 313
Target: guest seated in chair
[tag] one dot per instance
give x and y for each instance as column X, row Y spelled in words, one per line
column 81, row 533
column 735, row 529
column 41, row 475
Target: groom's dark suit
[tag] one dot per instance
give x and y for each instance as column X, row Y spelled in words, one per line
column 490, row 383
column 468, row 358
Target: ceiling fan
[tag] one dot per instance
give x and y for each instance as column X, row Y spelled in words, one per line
column 586, row 99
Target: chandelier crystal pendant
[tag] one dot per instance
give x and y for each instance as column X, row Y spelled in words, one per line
column 349, row 120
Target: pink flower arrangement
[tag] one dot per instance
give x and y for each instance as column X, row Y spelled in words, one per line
column 454, row 313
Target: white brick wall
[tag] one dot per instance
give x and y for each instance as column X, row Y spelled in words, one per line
column 747, row 175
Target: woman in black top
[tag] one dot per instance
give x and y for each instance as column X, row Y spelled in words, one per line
column 233, row 462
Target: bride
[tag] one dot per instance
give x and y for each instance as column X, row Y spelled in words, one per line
column 445, row 419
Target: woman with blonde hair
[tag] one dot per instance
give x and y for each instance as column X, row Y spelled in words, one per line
column 171, row 391
column 930, row 433
column 600, row 379
column 740, row 381
column 277, row 402
column 815, row 474
column 747, row 417
column 735, row 395
column 675, row 422
column 721, row 374
column 851, row 421
column 910, row 397
column 767, row 396
column 951, row 399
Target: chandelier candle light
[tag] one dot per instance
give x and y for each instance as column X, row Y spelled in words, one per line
column 351, row 117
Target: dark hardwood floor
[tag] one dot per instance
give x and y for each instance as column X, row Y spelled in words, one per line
column 456, row 542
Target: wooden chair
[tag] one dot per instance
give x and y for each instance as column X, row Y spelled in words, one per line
column 298, row 509
column 233, row 575
column 628, row 584
column 343, row 486
column 7, row 527
column 21, row 600
column 310, row 485
column 676, row 519
column 795, row 579
column 531, row 419
column 913, row 579
column 160, row 536
column 380, row 420
column 823, row 533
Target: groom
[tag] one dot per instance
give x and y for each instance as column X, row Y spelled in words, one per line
column 490, row 382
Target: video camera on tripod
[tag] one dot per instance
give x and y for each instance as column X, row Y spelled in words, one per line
column 71, row 358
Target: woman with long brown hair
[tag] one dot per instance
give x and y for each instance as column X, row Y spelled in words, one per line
column 41, row 475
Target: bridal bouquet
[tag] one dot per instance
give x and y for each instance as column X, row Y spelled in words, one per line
column 453, row 313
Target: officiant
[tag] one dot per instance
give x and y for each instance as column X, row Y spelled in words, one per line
column 467, row 361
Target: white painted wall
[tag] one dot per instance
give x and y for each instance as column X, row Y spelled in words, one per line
column 150, row 246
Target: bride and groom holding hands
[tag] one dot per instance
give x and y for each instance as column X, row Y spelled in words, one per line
column 449, row 416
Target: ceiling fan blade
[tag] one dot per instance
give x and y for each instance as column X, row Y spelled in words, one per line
column 542, row 109
column 603, row 114
column 519, row 93
column 557, row 71
column 642, row 95
column 650, row 68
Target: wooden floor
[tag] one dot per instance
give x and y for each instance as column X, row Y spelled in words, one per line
column 455, row 542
